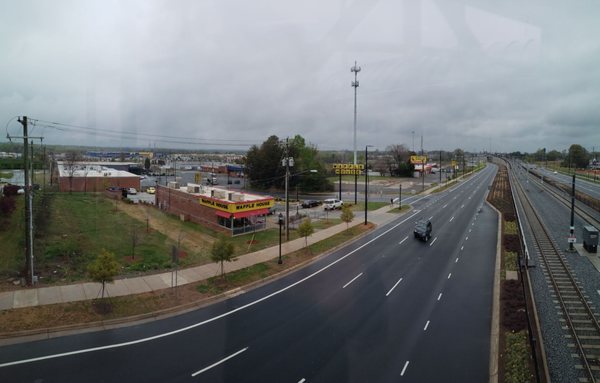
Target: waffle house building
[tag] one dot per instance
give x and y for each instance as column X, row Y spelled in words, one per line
column 228, row 211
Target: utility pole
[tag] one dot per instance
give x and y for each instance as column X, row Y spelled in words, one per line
column 28, row 223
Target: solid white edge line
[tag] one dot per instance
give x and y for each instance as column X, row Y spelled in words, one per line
column 432, row 242
column 219, row 362
column 401, row 242
column 209, row 320
column 393, row 287
column 439, row 296
column 353, row 279
column 404, row 369
column 426, row 325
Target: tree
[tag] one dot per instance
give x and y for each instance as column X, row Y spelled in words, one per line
column 347, row 215
column 71, row 159
column 578, row 157
column 264, row 167
column 222, row 250
column 104, row 268
column 147, row 164
column 306, row 229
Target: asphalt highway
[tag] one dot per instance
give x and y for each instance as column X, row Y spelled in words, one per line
column 582, row 185
column 385, row 308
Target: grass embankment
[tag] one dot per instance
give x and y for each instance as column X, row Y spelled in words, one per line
column 42, row 317
column 72, row 228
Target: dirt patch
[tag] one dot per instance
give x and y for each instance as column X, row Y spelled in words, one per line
column 191, row 239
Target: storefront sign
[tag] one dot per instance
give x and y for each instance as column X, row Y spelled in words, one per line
column 236, row 207
column 418, row 159
column 348, row 169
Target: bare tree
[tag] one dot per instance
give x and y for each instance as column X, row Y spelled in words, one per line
column 400, row 154
column 70, row 164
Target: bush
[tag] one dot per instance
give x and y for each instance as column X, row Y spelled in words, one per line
column 7, row 205
column 516, row 358
column 11, row 190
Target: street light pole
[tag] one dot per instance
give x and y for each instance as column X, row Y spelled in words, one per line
column 366, row 181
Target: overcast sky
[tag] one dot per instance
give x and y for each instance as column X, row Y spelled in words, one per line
column 507, row 75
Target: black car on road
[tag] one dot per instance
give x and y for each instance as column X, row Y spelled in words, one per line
column 423, row 230
column 310, row 203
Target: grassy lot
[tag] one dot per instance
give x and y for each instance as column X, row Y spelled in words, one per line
column 6, row 174
column 70, row 231
column 360, row 206
column 72, row 228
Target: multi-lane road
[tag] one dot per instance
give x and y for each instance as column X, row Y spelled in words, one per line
column 385, row 308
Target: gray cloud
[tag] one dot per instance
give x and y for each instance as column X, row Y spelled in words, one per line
column 470, row 74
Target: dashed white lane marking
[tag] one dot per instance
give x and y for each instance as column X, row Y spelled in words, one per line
column 353, row 279
column 470, row 230
column 219, row 362
column 467, row 238
column 426, row 325
column 449, row 275
column 451, row 219
column 401, row 242
column 461, row 248
column 439, row 296
column 430, row 218
column 212, row 319
column 302, row 380
column 404, row 369
column 443, row 207
column 456, row 260
column 432, row 242
column 461, row 206
column 393, row 287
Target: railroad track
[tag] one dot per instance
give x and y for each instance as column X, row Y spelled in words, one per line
column 580, row 319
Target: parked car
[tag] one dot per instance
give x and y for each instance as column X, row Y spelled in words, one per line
column 332, row 204
column 423, row 230
column 310, row 203
column 131, row 191
column 151, row 190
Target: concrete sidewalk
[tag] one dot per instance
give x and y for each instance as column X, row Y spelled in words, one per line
column 136, row 285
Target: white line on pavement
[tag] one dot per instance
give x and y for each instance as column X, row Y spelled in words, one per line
column 470, row 230
column 451, row 219
column 209, row 320
column 456, row 260
column 449, row 275
column 404, row 369
column 461, row 248
column 432, row 242
column 467, row 238
column 430, row 218
column 440, row 296
column 302, row 380
column 443, row 207
column 461, row 206
column 401, row 242
column 219, row 362
column 393, row 287
column 426, row 325
column 353, row 279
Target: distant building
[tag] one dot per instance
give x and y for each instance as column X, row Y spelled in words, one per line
column 220, row 209
column 94, row 177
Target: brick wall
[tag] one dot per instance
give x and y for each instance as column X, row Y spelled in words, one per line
column 96, row 184
column 184, row 204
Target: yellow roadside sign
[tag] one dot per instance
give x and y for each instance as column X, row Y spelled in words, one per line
column 418, row 159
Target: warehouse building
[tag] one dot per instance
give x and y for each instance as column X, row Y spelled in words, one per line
column 93, row 177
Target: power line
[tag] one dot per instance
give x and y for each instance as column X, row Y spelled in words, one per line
column 133, row 135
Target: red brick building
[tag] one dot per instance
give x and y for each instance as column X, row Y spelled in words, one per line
column 85, row 177
column 223, row 210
